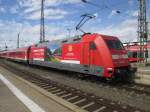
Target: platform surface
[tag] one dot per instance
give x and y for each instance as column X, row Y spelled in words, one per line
column 9, row 102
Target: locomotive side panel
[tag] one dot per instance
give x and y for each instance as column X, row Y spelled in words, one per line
column 71, row 53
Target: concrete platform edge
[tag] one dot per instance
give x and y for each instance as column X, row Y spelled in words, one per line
column 53, row 97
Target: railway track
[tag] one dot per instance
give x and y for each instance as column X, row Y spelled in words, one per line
column 86, row 101
column 137, row 88
column 133, row 87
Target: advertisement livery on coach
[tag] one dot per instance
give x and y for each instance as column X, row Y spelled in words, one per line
column 94, row 54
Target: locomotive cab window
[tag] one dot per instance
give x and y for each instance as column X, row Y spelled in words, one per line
column 92, row 46
column 114, row 44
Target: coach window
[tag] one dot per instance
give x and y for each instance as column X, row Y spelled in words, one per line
column 135, row 54
column 92, row 46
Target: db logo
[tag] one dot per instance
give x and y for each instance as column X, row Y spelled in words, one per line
column 70, row 48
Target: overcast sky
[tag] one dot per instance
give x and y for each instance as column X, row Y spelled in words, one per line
column 24, row 16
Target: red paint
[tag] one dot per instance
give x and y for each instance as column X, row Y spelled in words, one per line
column 71, row 51
column 20, row 53
column 36, row 53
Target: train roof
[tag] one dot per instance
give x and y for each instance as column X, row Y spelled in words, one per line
column 74, row 39
column 14, row 50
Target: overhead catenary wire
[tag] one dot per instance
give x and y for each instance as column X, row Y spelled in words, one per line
column 104, row 6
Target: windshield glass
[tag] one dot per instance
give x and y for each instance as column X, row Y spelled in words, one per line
column 114, row 44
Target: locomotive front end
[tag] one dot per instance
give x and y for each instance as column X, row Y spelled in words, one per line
column 120, row 63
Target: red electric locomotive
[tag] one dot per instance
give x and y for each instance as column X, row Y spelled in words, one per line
column 94, row 54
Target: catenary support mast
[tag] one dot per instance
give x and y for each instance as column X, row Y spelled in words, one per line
column 142, row 29
column 42, row 27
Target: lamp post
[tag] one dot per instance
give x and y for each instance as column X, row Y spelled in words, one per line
column 18, row 40
column 6, row 47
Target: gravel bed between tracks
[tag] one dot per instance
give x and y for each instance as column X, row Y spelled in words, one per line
column 141, row 101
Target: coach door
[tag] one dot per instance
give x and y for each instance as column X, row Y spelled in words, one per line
column 85, row 54
column 92, row 53
column 28, row 54
column 89, row 50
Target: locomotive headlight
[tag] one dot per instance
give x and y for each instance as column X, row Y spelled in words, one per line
column 110, row 70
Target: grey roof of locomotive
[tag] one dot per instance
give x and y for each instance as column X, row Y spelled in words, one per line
column 59, row 42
